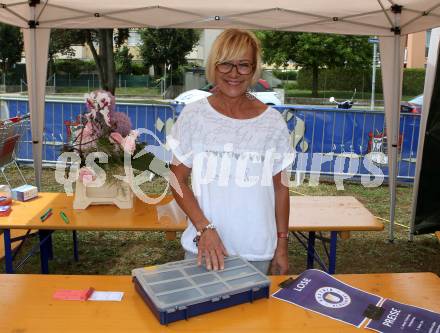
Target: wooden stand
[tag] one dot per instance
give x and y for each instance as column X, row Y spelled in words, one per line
column 119, row 194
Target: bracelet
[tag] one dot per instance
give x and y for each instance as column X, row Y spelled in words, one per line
column 200, row 232
column 284, row 235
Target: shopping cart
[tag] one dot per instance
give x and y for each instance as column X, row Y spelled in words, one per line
column 11, row 131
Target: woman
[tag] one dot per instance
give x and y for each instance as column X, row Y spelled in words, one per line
column 235, row 148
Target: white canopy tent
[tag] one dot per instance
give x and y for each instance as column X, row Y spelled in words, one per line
column 391, row 20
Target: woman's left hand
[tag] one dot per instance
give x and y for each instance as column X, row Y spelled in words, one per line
column 280, row 261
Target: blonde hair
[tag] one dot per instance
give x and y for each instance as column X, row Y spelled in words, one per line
column 232, row 44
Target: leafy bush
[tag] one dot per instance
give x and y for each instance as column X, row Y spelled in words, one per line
column 137, row 68
column 123, row 60
column 74, row 67
column 349, row 79
column 88, row 67
column 413, row 81
column 290, row 85
column 15, row 74
column 290, row 75
column 335, row 79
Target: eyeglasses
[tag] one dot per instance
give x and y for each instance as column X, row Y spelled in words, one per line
column 243, row 68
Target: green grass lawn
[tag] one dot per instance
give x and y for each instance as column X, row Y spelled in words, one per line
column 117, row 252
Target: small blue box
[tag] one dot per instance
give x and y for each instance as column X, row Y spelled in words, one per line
column 24, row 192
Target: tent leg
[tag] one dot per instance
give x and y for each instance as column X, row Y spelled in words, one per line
column 391, row 54
column 36, row 45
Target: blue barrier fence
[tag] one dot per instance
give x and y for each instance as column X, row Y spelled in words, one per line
column 328, row 140
column 156, row 118
column 335, row 141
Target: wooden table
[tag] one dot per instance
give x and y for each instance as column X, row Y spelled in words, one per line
column 27, row 306
column 26, row 215
column 308, row 214
column 336, row 214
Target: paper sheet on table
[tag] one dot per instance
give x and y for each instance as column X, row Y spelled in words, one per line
column 320, row 292
column 115, row 296
column 403, row 318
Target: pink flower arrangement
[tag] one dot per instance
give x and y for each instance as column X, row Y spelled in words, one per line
column 128, row 143
column 102, row 129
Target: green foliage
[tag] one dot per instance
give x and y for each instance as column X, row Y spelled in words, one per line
column 336, row 79
column 11, row 46
column 412, row 84
column 61, row 41
column 15, row 74
column 309, row 50
column 88, row 66
column 314, row 51
column 120, row 36
column 101, row 43
column 293, row 85
column 123, row 60
column 413, row 81
column 138, row 68
column 163, row 47
column 74, row 67
column 348, row 79
column 290, row 75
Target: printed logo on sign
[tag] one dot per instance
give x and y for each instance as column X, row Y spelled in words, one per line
column 332, row 297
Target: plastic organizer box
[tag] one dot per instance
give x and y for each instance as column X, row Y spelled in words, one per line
column 181, row 289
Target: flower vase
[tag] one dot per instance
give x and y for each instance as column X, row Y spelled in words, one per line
column 119, row 194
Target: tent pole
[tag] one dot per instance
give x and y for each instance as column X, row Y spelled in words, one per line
column 31, row 73
column 36, row 45
column 32, row 88
column 391, row 50
column 394, row 134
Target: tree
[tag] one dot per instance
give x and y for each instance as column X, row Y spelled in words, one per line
column 124, row 61
column 163, row 47
column 11, row 46
column 104, row 55
column 61, row 41
column 314, row 51
column 102, row 44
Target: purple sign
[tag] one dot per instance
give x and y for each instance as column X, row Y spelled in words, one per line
column 401, row 318
column 321, row 293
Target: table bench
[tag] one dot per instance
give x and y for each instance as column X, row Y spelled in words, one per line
column 308, row 214
column 28, row 306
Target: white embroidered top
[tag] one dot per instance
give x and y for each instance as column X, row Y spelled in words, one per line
column 233, row 162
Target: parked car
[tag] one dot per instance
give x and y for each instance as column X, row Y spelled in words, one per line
column 413, row 105
column 261, row 90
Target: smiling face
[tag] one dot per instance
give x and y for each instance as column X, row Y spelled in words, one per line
column 233, row 84
column 234, row 46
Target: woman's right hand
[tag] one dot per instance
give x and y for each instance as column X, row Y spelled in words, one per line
column 212, row 249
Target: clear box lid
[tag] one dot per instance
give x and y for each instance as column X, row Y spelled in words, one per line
column 178, row 284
